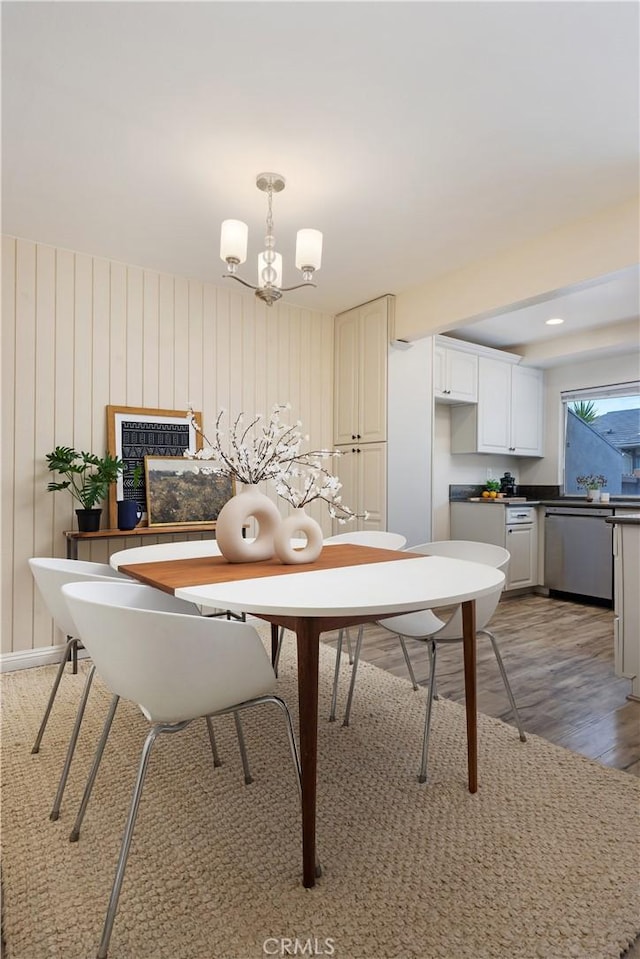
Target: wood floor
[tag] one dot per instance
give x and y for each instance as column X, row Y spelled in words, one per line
column 559, row 659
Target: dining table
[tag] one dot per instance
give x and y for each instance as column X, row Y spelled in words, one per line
column 348, row 585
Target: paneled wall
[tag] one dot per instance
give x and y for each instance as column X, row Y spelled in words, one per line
column 79, row 333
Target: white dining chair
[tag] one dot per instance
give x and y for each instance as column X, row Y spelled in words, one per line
column 382, row 539
column 176, row 668
column 428, row 627
column 50, row 575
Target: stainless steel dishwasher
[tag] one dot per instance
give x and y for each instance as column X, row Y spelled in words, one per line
column 578, row 551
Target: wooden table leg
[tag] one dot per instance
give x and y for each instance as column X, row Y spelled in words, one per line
column 308, row 638
column 470, row 691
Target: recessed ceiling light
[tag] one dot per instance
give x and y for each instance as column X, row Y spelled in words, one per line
column 556, row 321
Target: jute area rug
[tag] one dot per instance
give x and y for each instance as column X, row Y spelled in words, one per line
column 542, row 863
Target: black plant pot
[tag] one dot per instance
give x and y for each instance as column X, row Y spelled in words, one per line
column 88, row 520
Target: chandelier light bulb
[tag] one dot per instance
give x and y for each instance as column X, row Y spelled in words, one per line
column 309, row 250
column 234, row 237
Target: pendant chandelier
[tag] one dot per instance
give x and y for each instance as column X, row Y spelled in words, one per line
column 233, row 249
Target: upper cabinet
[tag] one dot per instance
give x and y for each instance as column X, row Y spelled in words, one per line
column 455, row 375
column 508, row 417
column 361, row 343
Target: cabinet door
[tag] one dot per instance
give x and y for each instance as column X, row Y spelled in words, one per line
column 462, row 376
column 372, row 478
column 494, row 401
column 362, row 470
column 439, row 372
column 372, row 373
column 521, row 541
column 526, row 411
column 455, row 376
column 347, row 353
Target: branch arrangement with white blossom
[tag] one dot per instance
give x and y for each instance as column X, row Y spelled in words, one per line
column 257, row 450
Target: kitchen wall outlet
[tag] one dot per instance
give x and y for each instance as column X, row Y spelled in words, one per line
column 489, row 473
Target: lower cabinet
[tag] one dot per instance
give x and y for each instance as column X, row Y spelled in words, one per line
column 362, row 469
column 522, row 543
column 487, row 523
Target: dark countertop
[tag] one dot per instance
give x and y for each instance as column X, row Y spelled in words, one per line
column 573, row 501
column 581, row 501
column 631, row 519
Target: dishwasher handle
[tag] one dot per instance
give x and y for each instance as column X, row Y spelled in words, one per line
column 584, row 512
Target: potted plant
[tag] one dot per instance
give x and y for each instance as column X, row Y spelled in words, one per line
column 88, row 478
column 592, row 483
column 491, row 490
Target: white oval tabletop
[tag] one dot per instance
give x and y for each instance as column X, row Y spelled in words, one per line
column 377, row 588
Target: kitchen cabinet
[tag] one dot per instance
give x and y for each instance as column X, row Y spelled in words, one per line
column 362, row 469
column 626, row 601
column 508, row 417
column 361, row 344
column 513, row 527
column 455, row 375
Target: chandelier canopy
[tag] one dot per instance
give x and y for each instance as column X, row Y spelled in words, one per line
column 233, row 249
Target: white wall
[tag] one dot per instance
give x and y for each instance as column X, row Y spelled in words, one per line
column 410, row 372
column 459, row 468
column 79, row 333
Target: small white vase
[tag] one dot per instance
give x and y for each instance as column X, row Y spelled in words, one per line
column 250, row 502
column 593, row 495
column 298, row 522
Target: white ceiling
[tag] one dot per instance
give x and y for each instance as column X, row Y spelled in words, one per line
column 418, row 137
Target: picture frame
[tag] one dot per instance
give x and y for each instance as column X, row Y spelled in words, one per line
column 134, row 432
column 183, row 492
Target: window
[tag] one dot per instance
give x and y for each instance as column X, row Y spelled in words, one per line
column 602, row 437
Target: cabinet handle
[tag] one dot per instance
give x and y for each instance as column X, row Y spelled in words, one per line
column 358, row 437
column 358, row 451
column 353, row 449
column 353, row 436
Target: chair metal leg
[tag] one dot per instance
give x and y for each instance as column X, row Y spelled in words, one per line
column 349, row 651
column 336, row 675
column 75, row 832
column 503, row 673
column 128, row 830
column 276, row 661
column 430, row 649
column 66, row 655
column 354, row 671
column 422, row 775
column 293, row 746
column 412, row 676
column 248, row 778
column 57, row 802
column 214, row 746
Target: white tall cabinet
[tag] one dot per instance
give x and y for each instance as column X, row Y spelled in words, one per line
column 360, row 409
column 383, row 422
column 361, row 342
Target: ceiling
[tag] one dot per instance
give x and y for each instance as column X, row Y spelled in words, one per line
column 419, row 137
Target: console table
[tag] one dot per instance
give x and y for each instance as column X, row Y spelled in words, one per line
column 72, row 536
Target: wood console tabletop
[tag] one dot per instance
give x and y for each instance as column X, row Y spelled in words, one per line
column 73, row 536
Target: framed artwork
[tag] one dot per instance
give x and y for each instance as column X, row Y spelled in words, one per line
column 178, row 493
column 134, row 432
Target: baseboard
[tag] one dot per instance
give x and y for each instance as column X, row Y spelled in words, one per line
column 28, row 658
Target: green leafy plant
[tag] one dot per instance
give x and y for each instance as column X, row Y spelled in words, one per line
column 585, row 410
column 88, row 476
column 492, row 486
column 592, row 481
